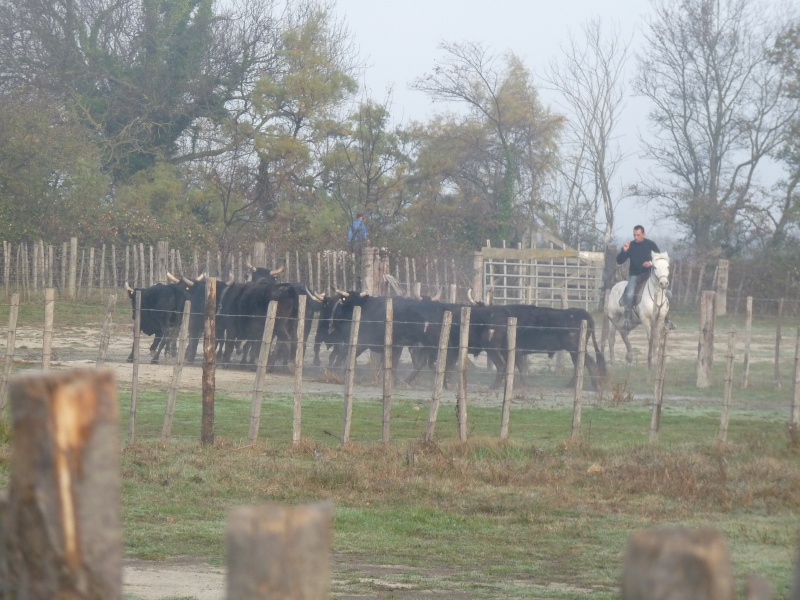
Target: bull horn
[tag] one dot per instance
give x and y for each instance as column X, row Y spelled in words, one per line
column 188, row 282
column 172, row 277
column 415, row 293
column 363, row 294
column 314, row 296
column 469, row 296
column 489, row 296
column 231, row 280
column 129, row 289
column 437, row 296
column 342, row 293
column 278, row 271
column 201, row 277
column 249, row 265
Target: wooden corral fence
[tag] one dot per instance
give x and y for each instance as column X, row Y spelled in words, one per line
column 556, row 276
column 61, row 518
column 80, row 272
column 705, row 359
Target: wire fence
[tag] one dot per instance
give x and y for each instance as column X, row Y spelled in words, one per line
column 767, row 355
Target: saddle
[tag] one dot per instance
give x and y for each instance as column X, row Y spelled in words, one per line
column 641, row 280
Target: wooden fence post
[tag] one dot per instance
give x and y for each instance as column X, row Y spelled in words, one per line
column 261, row 373
column 777, row 379
column 508, row 392
column 576, row 406
column 722, row 287
column 794, row 419
column 73, row 268
column 463, row 363
column 279, row 553
column 350, row 375
column 47, row 334
column 728, row 389
column 13, row 312
column 172, row 396
column 677, row 563
column 748, row 332
column 705, row 350
column 441, row 365
column 477, row 275
column 658, row 391
column 298, row 368
column 137, row 336
column 209, row 362
column 105, row 334
column 388, row 371
column 63, row 522
column 90, row 274
column 259, row 254
column 162, row 261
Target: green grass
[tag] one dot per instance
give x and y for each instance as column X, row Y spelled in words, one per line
column 539, row 515
column 486, row 518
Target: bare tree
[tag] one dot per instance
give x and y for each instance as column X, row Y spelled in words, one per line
column 589, row 77
column 520, row 133
column 718, row 108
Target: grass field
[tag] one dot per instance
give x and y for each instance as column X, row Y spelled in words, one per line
column 537, row 516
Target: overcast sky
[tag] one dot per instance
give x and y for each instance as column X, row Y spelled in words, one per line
column 398, row 42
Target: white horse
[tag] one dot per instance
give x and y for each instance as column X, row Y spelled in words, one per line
column 651, row 310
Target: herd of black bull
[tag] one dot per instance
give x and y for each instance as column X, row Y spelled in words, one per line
column 241, row 317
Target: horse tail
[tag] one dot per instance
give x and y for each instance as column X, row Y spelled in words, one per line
column 602, row 369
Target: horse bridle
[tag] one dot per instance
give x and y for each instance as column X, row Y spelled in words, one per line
column 657, row 281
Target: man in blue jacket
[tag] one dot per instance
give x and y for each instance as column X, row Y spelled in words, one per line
column 357, row 236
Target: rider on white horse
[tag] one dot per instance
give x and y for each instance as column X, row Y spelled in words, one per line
column 639, row 251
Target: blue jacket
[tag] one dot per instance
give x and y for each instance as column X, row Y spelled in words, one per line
column 357, row 233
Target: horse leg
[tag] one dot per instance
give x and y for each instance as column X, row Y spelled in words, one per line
column 628, row 349
column 612, row 338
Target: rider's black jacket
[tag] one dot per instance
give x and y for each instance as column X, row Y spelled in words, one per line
column 639, row 253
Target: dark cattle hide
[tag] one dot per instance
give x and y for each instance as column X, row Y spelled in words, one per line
column 162, row 309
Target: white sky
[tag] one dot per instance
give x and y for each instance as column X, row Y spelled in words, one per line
column 398, row 42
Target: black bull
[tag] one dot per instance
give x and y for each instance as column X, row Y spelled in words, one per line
column 161, row 312
column 417, row 326
column 241, row 317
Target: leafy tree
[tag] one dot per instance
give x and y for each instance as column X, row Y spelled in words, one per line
column 138, row 73
column 787, row 55
column 50, row 182
column 718, row 108
column 368, row 168
column 506, row 129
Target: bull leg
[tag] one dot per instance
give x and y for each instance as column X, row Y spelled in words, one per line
column 317, row 360
column 498, row 358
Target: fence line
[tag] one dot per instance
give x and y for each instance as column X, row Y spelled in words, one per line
column 259, row 391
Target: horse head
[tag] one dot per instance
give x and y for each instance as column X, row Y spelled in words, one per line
column 660, row 269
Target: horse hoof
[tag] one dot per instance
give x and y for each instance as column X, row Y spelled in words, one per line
column 629, row 358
